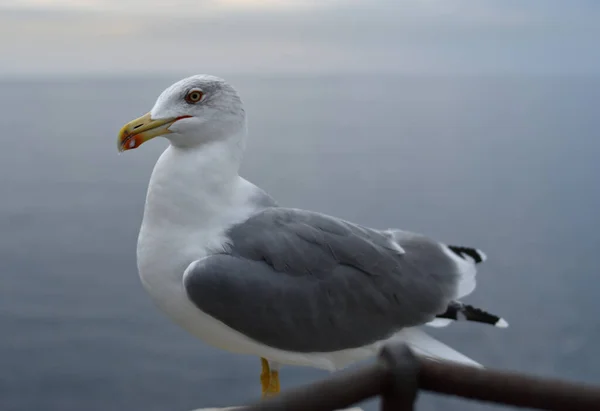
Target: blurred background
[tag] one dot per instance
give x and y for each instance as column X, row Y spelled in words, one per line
column 472, row 121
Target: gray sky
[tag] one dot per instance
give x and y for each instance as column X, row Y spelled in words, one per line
column 314, row 36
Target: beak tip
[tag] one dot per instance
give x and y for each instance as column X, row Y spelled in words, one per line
column 127, row 141
column 120, row 144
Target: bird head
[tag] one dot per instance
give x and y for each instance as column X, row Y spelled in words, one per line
column 191, row 112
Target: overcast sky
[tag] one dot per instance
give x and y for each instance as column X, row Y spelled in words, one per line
column 218, row 36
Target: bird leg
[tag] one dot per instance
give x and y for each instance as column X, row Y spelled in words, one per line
column 265, row 375
column 269, row 379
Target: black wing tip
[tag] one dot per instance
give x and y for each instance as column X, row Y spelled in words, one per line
column 458, row 311
column 478, row 256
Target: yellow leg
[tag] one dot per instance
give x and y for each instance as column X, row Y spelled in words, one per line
column 274, row 387
column 265, row 376
column 269, row 379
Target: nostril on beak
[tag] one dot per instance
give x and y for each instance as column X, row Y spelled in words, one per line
column 138, row 126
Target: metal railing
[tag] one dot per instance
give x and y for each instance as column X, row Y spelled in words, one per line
column 398, row 375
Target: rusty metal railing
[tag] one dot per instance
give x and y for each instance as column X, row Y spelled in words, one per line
column 398, row 375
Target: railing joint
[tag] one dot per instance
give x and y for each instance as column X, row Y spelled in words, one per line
column 402, row 386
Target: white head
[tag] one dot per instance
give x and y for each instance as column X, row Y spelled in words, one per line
column 191, row 113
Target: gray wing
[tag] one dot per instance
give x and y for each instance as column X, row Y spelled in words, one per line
column 306, row 282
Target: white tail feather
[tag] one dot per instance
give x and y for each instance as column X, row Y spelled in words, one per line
column 439, row 322
column 427, row 346
column 467, row 270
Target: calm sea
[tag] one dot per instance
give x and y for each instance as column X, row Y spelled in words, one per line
column 508, row 164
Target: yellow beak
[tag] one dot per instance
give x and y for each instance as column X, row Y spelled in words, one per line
column 138, row 131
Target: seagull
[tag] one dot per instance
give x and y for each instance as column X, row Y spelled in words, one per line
column 225, row 262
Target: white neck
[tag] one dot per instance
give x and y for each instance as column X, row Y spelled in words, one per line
column 194, row 195
column 191, row 185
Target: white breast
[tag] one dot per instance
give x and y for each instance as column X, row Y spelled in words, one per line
column 188, row 210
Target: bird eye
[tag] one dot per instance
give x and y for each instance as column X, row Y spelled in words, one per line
column 194, row 96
